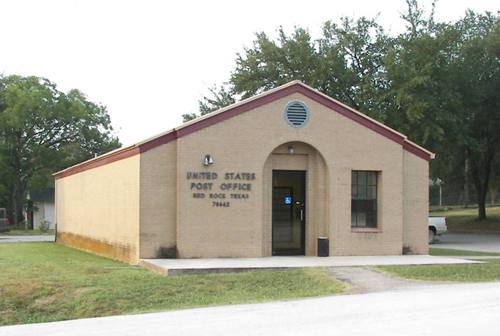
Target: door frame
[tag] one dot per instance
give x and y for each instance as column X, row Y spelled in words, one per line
column 302, row 250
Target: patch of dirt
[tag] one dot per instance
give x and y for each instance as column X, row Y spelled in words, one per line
column 60, row 296
column 82, row 290
column 46, row 300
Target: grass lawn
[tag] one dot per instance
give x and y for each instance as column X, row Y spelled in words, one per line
column 465, row 220
column 22, row 232
column 451, row 252
column 487, row 271
column 41, row 282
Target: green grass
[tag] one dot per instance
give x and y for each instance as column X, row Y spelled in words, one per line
column 451, row 252
column 41, row 282
column 22, row 232
column 488, row 271
column 465, row 220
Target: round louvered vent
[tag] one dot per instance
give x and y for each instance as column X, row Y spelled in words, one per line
column 296, row 114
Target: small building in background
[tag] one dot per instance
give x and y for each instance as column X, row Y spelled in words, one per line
column 43, row 209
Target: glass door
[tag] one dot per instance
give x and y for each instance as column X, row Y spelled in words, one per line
column 288, row 212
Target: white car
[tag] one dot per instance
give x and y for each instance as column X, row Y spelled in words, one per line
column 437, row 227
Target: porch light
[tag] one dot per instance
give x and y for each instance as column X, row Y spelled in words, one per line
column 208, row 160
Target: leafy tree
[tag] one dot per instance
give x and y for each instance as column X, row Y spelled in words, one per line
column 268, row 63
column 445, row 79
column 346, row 63
column 476, row 69
column 422, row 89
column 417, row 69
column 43, row 130
column 218, row 98
column 353, row 54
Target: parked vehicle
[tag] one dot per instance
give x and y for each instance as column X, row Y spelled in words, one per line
column 4, row 221
column 437, row 227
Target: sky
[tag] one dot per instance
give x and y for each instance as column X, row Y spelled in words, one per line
column 149, row 61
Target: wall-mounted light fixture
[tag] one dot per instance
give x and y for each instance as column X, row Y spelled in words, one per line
column 291, row 150
column 208, row 160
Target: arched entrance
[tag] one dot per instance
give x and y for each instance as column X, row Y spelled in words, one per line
column 295, row 200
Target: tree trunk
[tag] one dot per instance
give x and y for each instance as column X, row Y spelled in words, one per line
column 481, row 206
column 15, row 214
column 18, row 184
column 481, row 176
column 466, row 181
column 17, row 203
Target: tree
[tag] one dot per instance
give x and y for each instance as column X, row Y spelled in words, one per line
column 422, row 90
column 346, row 63
column 43, row 130
column 445, row 79
column 495, row 181
column 217, row 99
column 268, row 63
column 354, row 56
column 477, row 75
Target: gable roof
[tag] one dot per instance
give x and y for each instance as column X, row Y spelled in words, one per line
column 244, row 106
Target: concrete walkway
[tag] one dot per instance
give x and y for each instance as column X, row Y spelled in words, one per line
column 26, row 239
column 454, row 310
column 189, row 266
column 364, row 280
column 469, row 242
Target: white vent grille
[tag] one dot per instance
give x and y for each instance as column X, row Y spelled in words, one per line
column 296, row 114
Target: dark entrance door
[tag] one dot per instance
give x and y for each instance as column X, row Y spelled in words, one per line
column 289, row 212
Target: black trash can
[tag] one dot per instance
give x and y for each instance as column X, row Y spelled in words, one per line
column 323, row 247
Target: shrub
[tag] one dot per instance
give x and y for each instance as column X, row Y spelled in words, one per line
column 44, row 225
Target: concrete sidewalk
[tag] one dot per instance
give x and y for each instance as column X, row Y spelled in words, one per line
column 26, row 239
column 454, row 310
column 219, row 265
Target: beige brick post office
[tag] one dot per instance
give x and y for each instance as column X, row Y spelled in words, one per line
column 266, row 176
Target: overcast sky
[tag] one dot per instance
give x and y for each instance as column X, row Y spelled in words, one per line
column 150, row 61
